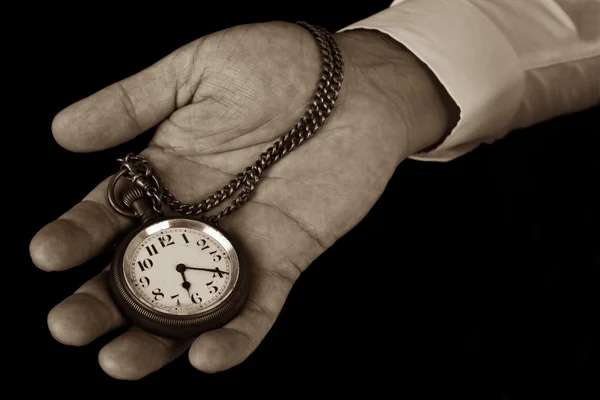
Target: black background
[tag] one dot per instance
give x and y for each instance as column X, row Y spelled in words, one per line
column 482, row 273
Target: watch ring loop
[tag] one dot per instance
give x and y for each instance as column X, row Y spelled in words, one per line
column 111, row 194
column 116, row 205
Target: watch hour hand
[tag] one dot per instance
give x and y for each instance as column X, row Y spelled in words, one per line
column 181, row 269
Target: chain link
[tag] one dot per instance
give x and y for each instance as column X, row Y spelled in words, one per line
column 245, row 182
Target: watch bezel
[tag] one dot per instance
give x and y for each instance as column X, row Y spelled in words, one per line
column 170, row 324
column 184, row 223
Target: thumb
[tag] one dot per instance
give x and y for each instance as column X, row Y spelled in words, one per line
column 125, row 109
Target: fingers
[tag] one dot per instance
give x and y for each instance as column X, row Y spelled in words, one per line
column 86, row 315
column 78, row 235
column 228, row 346
column 90, row 313
column 127, row 108
column 137, row 353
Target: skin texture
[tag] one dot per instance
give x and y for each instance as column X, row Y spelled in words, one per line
column 217, row 103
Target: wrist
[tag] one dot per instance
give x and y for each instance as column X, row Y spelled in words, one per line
column 396, row 79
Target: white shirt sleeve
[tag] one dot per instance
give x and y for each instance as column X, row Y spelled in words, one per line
column 507, row 64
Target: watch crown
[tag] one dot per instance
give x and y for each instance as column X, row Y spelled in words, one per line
column 132, row 194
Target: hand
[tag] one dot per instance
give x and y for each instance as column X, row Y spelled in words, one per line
column 218, row 102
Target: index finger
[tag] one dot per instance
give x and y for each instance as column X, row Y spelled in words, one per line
column 79, row 234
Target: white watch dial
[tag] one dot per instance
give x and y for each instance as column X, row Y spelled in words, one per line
column 180, row 270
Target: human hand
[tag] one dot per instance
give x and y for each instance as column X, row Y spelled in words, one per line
column 218, row 103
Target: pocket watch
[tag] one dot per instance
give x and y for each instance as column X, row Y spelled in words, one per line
column 176, row 276
column 181, row 275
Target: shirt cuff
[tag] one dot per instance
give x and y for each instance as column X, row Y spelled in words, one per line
column 472, row 59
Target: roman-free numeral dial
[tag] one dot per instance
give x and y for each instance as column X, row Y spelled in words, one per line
column 179, row 270
column 178, row 277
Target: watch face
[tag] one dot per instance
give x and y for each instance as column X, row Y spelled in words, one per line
column 180, row 267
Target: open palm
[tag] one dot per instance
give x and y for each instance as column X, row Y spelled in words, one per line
column 217, row 103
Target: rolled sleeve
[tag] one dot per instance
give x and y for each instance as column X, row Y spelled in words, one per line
column 472, row 59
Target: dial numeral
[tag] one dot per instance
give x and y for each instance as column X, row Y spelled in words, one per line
column 185, row 238
column 146, row 264
column 217, row 272
column 204, row 246
column 196, row 298
column 152, row 250
column 144, row 281
column 166, row 240
column 174, row 297
column 212, row 289
column 158, row 295
column 216, row 257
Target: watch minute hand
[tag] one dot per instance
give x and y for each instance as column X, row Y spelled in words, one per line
column 218, row 271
